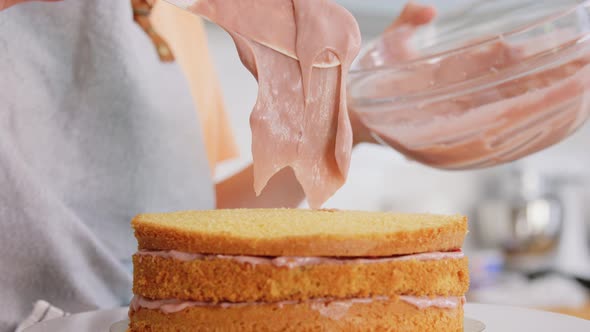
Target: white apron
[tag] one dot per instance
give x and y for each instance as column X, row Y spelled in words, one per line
column 93, row 130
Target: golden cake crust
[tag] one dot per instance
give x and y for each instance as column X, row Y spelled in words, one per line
column 297, row 232
column 393, row 315
column 218, row 280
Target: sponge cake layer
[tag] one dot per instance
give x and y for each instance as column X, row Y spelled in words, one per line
column 349, row 315
column 296, row 232
column 214, row 279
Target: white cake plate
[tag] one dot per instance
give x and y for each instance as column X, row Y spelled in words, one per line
column 496, row 319
column 471, row 325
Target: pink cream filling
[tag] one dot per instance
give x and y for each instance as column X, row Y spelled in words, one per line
column 326, row 306
column 294, row 261
column 334, row 309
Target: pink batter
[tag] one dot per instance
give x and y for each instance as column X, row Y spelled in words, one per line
column 294, row 262
column 300, row 57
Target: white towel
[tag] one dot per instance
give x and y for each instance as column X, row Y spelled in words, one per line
column 42, row 311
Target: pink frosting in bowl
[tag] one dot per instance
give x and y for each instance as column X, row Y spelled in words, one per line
column 499, row 82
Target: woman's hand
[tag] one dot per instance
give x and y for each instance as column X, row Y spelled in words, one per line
column 283, row 190
column 412, row 16
column 9, row 3
column 360, row 133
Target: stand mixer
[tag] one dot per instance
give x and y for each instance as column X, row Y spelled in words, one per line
column 537, row 219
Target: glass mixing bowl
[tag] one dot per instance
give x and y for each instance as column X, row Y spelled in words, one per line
column 486, row 85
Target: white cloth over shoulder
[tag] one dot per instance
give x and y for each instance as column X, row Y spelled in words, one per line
column 93, row 130
column 42, row 311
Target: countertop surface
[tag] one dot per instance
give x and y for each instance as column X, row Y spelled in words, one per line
column 582, row 312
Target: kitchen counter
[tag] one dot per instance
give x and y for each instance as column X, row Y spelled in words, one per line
column 582, row 312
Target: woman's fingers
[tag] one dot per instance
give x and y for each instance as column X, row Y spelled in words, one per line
column 395, row 39
column 414, row 14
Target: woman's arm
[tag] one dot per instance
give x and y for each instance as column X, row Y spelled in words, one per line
column 9, row 3
column 282, row 190
column 237, row 191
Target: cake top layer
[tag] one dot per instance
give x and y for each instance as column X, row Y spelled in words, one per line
column 298, row 232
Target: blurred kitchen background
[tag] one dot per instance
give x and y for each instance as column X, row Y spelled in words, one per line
column 529, row 238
